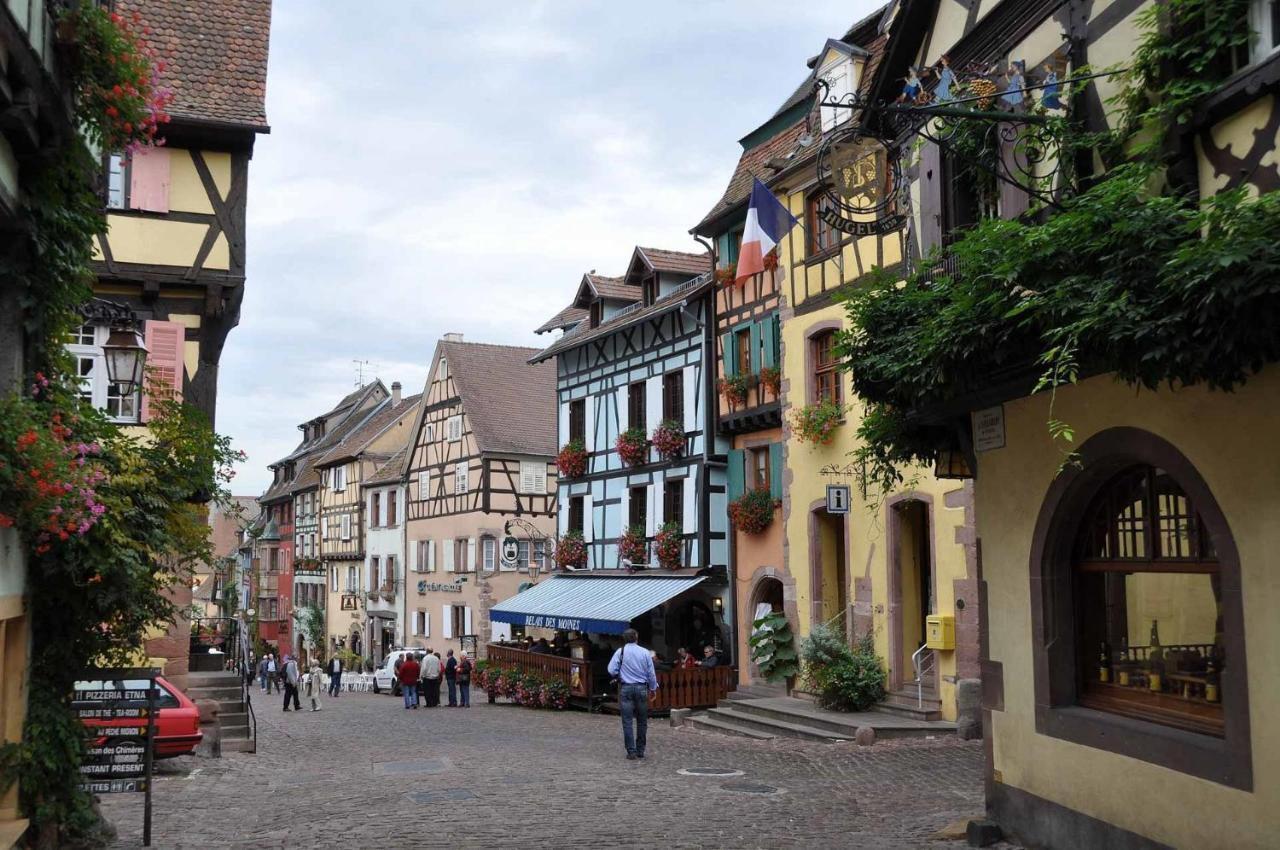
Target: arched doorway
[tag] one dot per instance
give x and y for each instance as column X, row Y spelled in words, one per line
column 768, row 592
column 828, row 568
column 912, row 593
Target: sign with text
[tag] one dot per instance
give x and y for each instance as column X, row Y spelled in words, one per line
column 838, row 497
column 439, row 587
column 988, row 428
column 119, row 708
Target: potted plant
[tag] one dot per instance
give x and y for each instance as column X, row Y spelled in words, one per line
column 815, row 423
column 773, row 647
column 771, row 379
column 572, row 460
column 668, row 545
column 668, row 439
column 752, row 512
column 771, row 260
column 571, row 551
column 633, row 546
column 735, row 388
column 632, row 446
column 726, row 273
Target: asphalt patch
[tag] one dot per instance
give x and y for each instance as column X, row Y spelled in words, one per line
column 409, row 768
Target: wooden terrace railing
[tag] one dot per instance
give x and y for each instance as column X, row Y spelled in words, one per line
column 574, row 672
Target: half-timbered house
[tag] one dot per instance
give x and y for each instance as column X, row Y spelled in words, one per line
column 483, row 454
column 1130, row 632
column 638, row 360
column 343, row 471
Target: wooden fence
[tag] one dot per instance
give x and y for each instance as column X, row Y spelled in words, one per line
column 573, row 672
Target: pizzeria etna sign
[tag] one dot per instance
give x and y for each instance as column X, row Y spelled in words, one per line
column 118, row 709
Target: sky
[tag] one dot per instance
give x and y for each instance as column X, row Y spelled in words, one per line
column 439, row 167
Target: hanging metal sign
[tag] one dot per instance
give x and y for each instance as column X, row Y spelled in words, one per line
column 838, row 498
column 864, row 193
column 510, row 551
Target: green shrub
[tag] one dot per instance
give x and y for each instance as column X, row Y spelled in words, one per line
column 843, row 679
column 773, row 647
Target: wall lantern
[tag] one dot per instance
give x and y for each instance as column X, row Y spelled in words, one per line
column 717, row 604
column 952, row 463
column 126, row 357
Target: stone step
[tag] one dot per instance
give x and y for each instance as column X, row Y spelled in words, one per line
column 726, row 727
column 775, row 727
column 237, row 745
column 219, row 693
column 904, row 705
column 758, row 691
column 844, row 725
column 221, row 678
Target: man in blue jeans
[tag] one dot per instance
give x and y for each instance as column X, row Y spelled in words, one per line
column 632, row 665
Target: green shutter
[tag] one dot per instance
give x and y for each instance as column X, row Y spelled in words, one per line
column 775, row 470
column 737, row 473
column 769, row 326
column 730, row 350
column 756, row 329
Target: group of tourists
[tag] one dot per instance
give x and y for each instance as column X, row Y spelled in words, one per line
column 420, row 674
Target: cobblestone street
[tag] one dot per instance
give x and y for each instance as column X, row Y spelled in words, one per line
column 365, row 772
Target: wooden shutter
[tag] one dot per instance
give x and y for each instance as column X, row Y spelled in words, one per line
column 624, row 510
column 756, row 336
column 653, row 404
column 653, row 510
column 588, row 519
column 930, row 197
column 775, row 470
column 689, row 385
column 426, row 624
column 415, row 559
column 565, row 423
column 729, row 351
column 737, row 473
column 446, row 553
column 769, row 339
column 446, row 617
column 690, row 504
column 466, row 620
column 471, row 554
column 164, row 342
column 589, row 425
column 149, row 180
column 431, row 555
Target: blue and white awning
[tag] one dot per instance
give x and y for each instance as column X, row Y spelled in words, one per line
column 597, row 603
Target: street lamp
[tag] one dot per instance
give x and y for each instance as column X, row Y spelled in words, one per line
column 126, row 356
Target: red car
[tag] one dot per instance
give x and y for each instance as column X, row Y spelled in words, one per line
column 177, row 721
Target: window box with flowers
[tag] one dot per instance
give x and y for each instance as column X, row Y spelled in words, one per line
column 668, row 546
column 572, row 460
column 633, row 546
column 632, row 446
column 726, row 274
column 771, row 380
column 668, row 439
column 815, row 423
column 771, row 260
column 752, row 512
column 735, row 388
column 571, row 551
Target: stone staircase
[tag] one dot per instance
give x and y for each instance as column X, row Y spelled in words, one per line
column 767, row 718
column 233, row 728
column 905, row 703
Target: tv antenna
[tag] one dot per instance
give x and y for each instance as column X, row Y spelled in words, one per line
column 363, row 367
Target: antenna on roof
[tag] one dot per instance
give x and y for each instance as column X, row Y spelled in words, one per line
column 363, row 366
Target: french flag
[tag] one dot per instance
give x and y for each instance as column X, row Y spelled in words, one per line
column 767, row 222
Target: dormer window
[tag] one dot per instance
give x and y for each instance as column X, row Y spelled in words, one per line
column 839, row 66
column 597, row 313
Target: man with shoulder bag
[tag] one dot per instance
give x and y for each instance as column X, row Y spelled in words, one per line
column 632, row 666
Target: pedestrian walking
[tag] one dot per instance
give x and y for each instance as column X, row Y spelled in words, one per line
column 273, row 674
column 451, row 676
column 632, row 666
column 464, row 680
column 292, row 678
column 334, row 669
column 315, row 684
column 431, row 671
column 408, row 673
column 262, row 673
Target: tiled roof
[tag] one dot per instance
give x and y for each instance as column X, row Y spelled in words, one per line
column 573, row 338
column 613, row 287
column 678, row 262
column 393, row 470
column 357, row 440
column 215, row 52
column 307, row 477
column 510, row 404
column 566, row 318
column 752, row 164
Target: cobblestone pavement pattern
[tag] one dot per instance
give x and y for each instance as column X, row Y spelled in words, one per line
column 365, row 772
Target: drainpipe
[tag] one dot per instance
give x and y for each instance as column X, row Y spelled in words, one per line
column 709, row 403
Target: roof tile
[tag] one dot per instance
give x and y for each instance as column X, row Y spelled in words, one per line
column 511, row 404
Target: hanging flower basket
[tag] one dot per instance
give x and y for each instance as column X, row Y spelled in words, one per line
column 668, row 439
column 771, row 260
column 752, row 512
column 668, row 545
column 726, row 274
column 815, row 423
column 632, row 446
column 771, row 379
column 572, row 460
column 735, row 388
column 571, row 551
column 633, row 546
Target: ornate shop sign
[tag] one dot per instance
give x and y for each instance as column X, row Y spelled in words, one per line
column 439, row 587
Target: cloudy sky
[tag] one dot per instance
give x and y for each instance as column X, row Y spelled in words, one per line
column 456, row 166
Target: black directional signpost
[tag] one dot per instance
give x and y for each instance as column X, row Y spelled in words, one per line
column 118, row 706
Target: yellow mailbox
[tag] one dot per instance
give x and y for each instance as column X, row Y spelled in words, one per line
column 940, row 631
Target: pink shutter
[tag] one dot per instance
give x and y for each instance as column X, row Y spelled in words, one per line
column 164, row 363
column 149, row 180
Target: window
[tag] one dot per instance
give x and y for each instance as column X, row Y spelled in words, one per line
column 444, row 368
column 375, row 509
column 742, row 342
column 273, row 563
column 1264, row 23
column 539, row 556
column 826, row 380
column 1149, row 595
column 91, row 367
column 353, row 580
column 840, row 80
column 760, row 468
column 117, row 183
column 673, row 397
column 460, row 478
column 461, row 555
column 454, row 427
column 339, row 478
column 422, row 624
column 576, row 515
column 578, row 420
column 489, row 549
column 273, row 608
column 424, row 485
column 522, row 558
column 637, row 506
column 635, row 405
column 346, row 526
column 533, row 477
column 823, row 238
column 375, row 573
column 389, row 580
column 461, row 620
column 673, row 502
column 392, row 499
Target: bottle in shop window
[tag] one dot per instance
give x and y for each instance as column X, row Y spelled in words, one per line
column 1211, row 682
column 1104, row 663
column 1155, row 633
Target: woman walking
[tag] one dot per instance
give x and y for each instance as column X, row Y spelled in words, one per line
column 315, row 684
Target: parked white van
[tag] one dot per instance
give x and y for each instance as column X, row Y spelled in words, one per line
column 384, row 678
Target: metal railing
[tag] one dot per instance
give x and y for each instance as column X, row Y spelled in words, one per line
column 922, row 661
column 244, row 666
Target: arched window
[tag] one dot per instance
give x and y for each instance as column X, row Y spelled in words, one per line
column 1148, row 599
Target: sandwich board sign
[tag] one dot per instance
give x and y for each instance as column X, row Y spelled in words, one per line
column 118, row 706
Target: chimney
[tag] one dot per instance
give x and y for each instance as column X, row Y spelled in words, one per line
column 453, row 337
column 395, row 394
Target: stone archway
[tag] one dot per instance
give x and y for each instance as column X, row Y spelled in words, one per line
column 771, row 585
